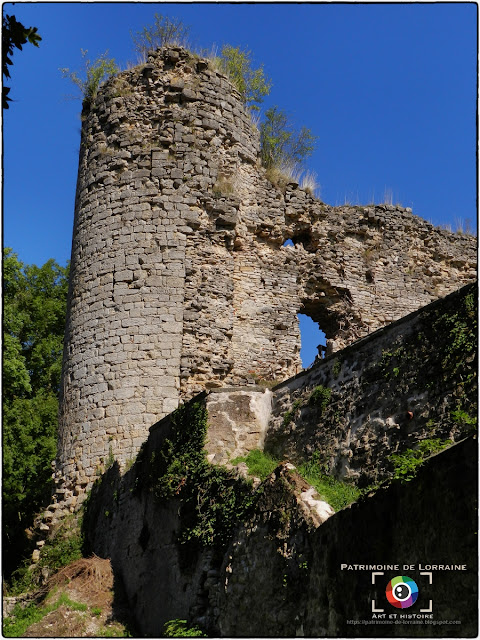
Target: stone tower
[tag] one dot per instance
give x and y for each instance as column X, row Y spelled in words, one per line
column 179, row 277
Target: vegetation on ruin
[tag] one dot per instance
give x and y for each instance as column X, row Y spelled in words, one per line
column 163, row 32
column 252, row 84
column 34, row 311
column 212, row 501
column 407, row 464
column 284, row 149
column 338, row 494
column 181, row 629
column 92, row 75
column 59, row 550
column 260, row 464
column 320, row 397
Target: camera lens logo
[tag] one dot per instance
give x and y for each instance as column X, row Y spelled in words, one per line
column 402, row 592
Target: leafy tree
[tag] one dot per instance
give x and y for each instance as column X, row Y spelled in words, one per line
column 251, row 83
column 14, row 34
column 34, row 320
column 281, row 144
column 164, row 31
column 92, row 76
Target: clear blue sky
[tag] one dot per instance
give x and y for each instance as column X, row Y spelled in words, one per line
column 389, row 89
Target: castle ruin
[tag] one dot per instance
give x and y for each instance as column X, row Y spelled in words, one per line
column 179, row 278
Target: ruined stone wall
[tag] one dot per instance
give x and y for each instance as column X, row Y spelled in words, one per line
column 413, row 380
column 179, row 280
column 281, row 574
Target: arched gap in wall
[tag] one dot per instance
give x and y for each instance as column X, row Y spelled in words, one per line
column 311, row 336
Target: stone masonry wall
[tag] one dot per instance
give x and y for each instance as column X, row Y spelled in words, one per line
column 413, row 380
column 179, row 280
column 278, row 574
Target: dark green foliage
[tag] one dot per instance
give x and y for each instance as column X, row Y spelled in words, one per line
column 406, row 464
column 281, row 145
column 180, row 629
column 14, row 35
column 34, row 320
column 212, row 501
column 320, row 397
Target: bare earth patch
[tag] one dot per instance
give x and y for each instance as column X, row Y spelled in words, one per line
column 87, row 583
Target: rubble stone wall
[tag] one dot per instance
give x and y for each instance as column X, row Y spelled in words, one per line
column 411, row 381
column 179, row 280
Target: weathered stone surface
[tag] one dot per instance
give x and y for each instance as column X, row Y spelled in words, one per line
column 237, row 422
column 382, row 395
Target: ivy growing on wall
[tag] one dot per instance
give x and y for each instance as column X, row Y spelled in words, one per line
column 212, row 501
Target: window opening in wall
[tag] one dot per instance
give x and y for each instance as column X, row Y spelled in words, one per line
column 314, row 341
column 288, row 243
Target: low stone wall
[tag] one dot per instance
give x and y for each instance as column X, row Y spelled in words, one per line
column 410, row 381
column 281, row 574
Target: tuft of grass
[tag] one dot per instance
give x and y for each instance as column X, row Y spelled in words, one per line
column 338, row 494
column 223, row 187
column 283, row 174
column 21, row 618
column 309, row 182
column 259, row 463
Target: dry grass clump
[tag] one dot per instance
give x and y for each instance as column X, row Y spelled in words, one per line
column 223, row 187
column 282, row 175
column 92, row 578
column 309, row 182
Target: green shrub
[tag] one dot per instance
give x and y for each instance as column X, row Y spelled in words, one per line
column 164, row 31
column 252, row 84
column 259, row 463
column 92, row 76
column 180, row 629
column 320, row 397
column 407, row 464
column 281, row 145
column 462, row 417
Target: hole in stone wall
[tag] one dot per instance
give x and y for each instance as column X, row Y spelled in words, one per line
column 311, row 336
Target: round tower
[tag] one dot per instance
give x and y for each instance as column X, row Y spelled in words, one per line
column 167, row 154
